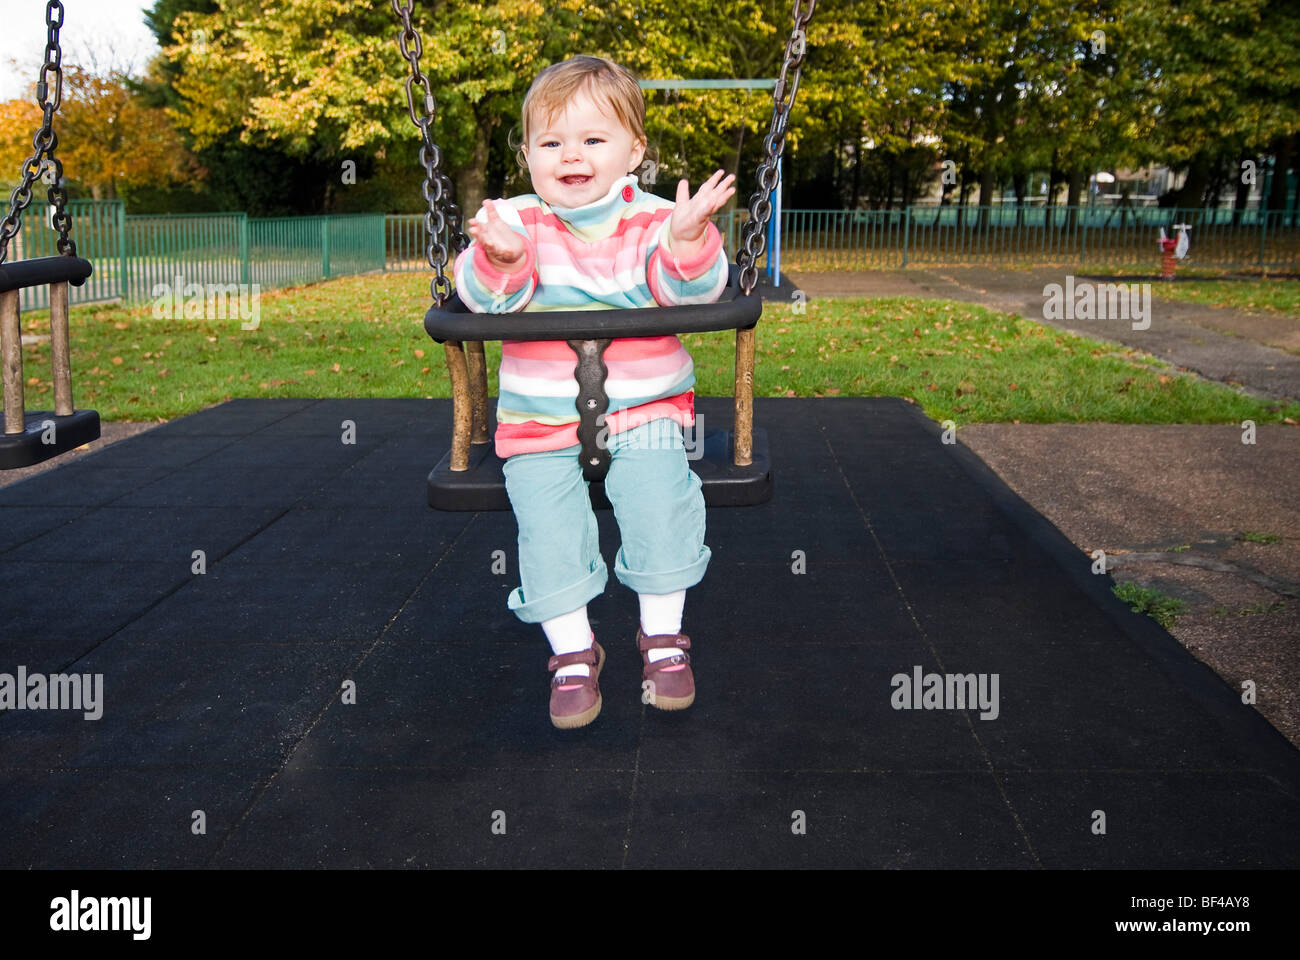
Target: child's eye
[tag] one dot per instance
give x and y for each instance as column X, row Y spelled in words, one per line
column 589, row 139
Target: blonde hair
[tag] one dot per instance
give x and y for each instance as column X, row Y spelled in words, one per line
column 609, row 85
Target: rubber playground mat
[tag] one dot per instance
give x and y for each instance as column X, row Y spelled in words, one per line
column 336, row 680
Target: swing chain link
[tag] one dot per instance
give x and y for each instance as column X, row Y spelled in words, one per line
column 754, row 233
column 443, row 215
column 44, row 142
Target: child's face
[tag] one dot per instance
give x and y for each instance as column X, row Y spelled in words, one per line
column 580, row 141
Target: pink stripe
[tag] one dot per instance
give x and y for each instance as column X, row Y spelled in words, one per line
column 648, row 367
column 534, row 437
column 621, row 349
column 546, row 222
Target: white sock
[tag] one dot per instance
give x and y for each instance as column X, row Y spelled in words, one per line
column 570, row 633
column 660, row 614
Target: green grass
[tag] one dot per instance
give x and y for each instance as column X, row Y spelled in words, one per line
column 1164, row 610
column 1276, row 296
column 1255, row 536
column 364, row 337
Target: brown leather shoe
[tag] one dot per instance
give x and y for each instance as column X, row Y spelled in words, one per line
column 669, row 689
column 575, row 701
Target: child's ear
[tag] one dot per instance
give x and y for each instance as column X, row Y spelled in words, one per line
column 638, row 154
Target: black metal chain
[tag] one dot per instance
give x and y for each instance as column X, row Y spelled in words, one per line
column 45, row 143
column 754, row 233
column 437, row 188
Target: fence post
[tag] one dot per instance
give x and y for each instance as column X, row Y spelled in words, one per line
column 123, row 257
column 325, row 247
column 1263, row 231
column 245, row 270
column 907, row 230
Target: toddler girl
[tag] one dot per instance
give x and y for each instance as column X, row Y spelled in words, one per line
column 589, row 238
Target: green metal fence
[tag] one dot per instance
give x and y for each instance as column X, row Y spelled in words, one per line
column 406, row 239
column 97, row 230
column 137, row 257
column 931, row 235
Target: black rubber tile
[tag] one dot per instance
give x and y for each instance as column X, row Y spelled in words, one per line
column 81, row 485
column 479, row 704
column 119, row 817
column 827, row 707
column 72, row 606
column 347, row 533
column 371, row 418
column 258, row 454
column 21, row 524
column 1018, row 595
column 298, row 602
column 1192, row 819
column 340, row 568
column 262, row 486
column 165, row 702
column 787, row 524
column 161, row 534
column 830, row 601
column 871, row 819
column 394, row 475
column 157, row 447
column 393, row 817
column 234, row 418
column 1049, row 699
column 460, row 600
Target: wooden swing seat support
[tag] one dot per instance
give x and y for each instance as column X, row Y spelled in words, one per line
column 31, row 437
column 734, row 466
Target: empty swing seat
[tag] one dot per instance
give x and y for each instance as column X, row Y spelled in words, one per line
column 33, row 436
column 481, row 486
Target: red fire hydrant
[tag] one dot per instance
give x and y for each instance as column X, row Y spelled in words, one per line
column 1167, row 260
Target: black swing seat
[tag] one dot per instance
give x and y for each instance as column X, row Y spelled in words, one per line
column 40, row 441
column 30, row 447
column 482, row 486
column 43, row 270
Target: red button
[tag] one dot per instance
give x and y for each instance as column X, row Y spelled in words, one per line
column 627, row 193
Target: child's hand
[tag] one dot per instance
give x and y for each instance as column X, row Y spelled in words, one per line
column 691, row 215
column 504, row 247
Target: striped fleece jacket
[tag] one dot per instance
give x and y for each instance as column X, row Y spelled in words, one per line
column 611, row 253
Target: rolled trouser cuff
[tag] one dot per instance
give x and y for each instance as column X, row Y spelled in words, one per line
column 560, row 602
column 668, row 581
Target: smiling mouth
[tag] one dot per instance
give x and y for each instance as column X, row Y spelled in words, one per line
column 574, row 181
